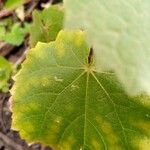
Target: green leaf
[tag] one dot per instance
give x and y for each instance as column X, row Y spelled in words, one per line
column 5, row 73
column 11, row 4
column 46, row 24
column 59, row 99
column 7, row 22
column 16, row 35
column 119, row 31
column 2, row 31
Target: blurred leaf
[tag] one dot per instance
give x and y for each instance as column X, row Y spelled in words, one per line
column 5, row 73
column 61, row 100
column 16, row 35
column 119, row 31
column 20, row 13
column 46, row 24
column 2, row 31
column 11, row 4
column 7, row 22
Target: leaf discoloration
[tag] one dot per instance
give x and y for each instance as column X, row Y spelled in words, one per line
column 87, row 110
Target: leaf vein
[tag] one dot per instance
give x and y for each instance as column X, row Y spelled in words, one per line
column 51, row 105
column 114, row 105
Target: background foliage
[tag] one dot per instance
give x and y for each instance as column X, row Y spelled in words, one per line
column 46, row 24
column 5, row 73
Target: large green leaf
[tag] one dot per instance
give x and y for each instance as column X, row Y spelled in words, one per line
column 46, row 24
column 5, row 73
column 59, row 99
column 119, row 31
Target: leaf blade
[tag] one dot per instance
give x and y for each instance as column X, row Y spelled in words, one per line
column 69, row 105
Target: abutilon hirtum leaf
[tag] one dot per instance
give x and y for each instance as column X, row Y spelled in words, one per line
column 59, row 99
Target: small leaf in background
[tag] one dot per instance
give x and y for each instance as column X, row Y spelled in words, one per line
column 12, row 4
column 46, row 24
column 119, row 31
column 2, row 31
column 5, row 72
column 16, row 35
column 61, row 100
column 7, row 22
